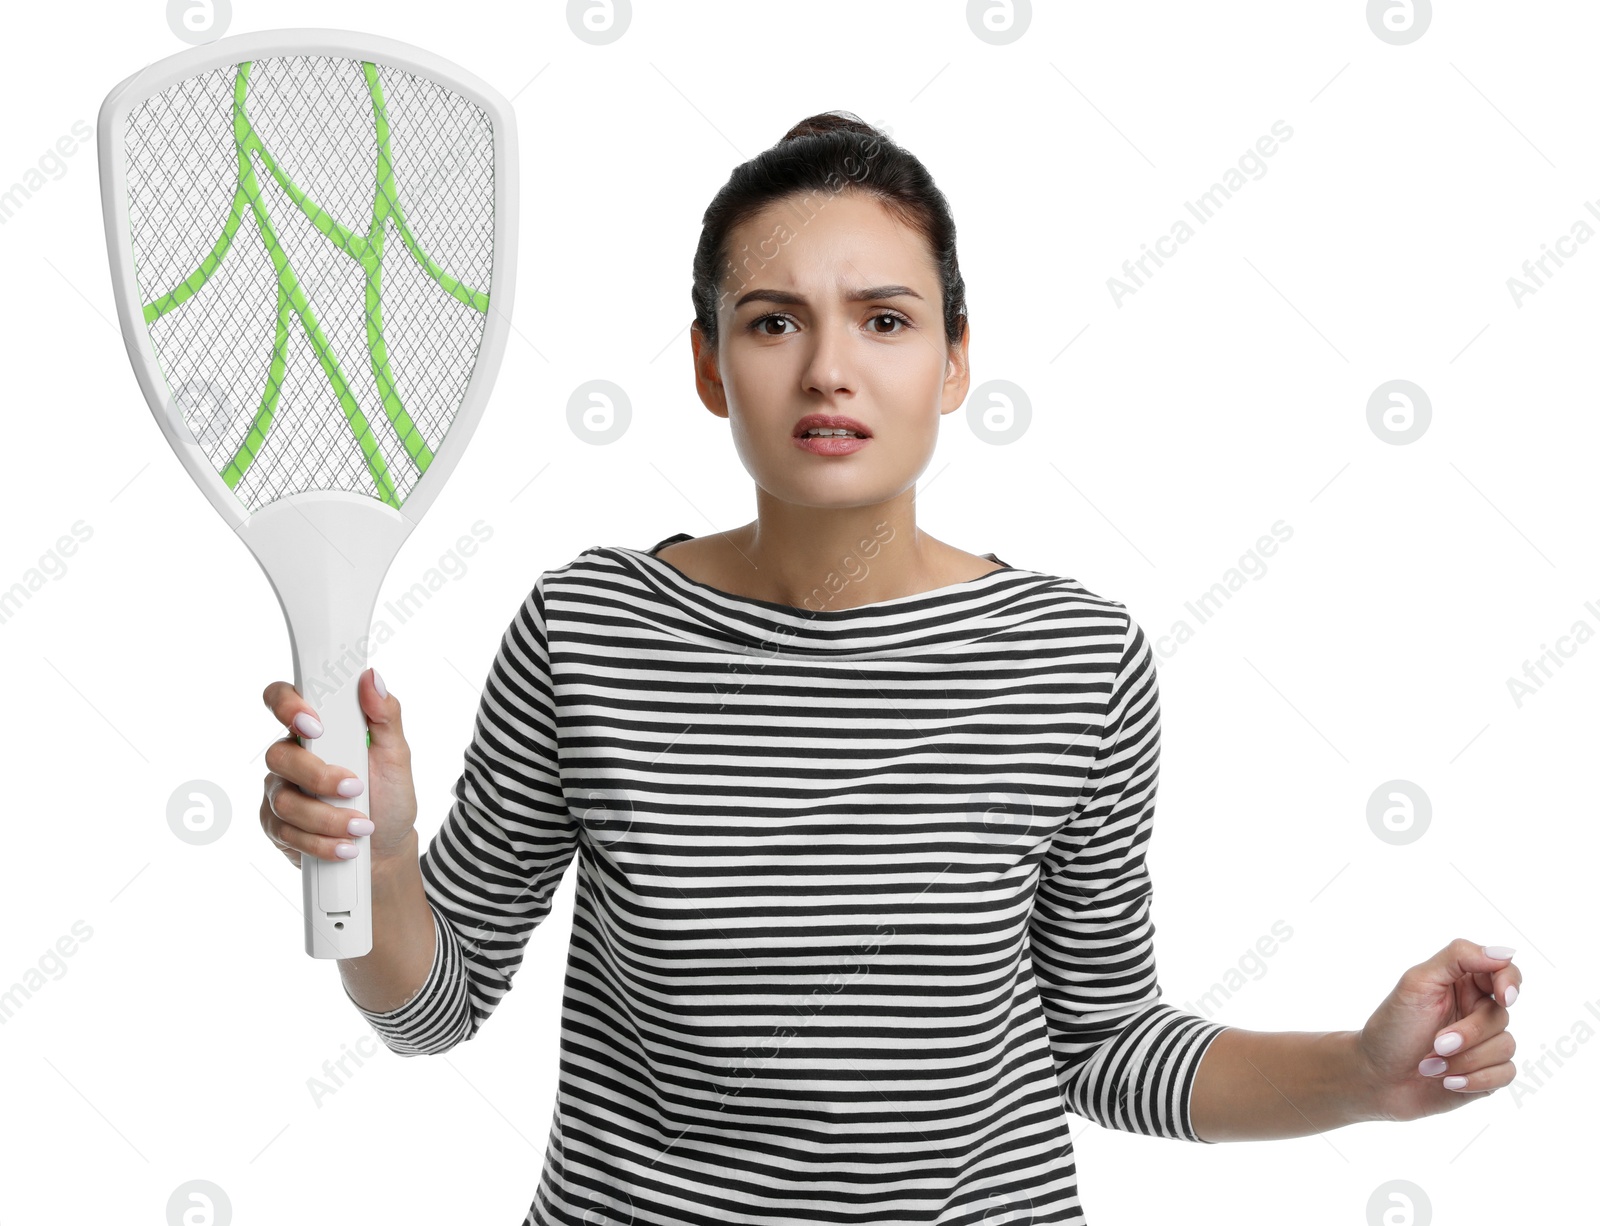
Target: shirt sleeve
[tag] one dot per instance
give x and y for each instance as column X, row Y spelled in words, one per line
column 490, row 872
column 1124, row 1058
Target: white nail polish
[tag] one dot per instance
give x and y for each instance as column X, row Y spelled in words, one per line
column 1447, row 1043
column 307, row 726
column 347, row 851
column 377, row 684
column 349, row 787
column 1455, row 1083
column 1498, row 951
column 1511, row 995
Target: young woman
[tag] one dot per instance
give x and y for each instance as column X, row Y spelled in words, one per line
column 861, row 818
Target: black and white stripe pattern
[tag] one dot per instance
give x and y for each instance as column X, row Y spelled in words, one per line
column 862, row 908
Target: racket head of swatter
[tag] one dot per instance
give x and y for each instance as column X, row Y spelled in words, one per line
column 187, row 209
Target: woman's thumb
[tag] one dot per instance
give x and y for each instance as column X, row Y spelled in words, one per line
column 382, row 710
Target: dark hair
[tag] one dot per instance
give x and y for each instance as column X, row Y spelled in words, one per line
column 831, row 152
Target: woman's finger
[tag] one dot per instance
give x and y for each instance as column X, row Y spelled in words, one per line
column 1497, row 1049
column 1486, row 1019
column 1481, row 1080
column 1507, row 984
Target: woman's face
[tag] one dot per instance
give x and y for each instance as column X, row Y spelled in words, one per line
column 795, row 338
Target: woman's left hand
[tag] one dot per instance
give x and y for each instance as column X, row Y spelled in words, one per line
column 1405, row 1045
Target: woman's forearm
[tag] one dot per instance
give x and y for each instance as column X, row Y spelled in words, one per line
column 1265, row 1085
column 397, row 966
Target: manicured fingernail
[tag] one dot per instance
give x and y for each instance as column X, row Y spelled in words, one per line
column 1455, row 1083
column 1447, row 1042
column 306, row 725
column 346, row 851
column 1498, row 951
column 377, row 684
column 349, row 787
column 1511, row 995
column 1432, row 1066
column 362, row 825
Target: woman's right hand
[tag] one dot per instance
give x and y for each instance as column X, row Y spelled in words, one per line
column 293, row 817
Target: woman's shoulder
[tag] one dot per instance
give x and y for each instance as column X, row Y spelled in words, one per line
column 594, row 569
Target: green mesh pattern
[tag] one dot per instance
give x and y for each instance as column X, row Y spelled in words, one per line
column 313, row 238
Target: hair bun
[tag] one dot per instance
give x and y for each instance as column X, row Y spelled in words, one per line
column 830, row 121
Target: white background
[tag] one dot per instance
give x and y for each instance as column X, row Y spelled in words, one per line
column 180, row 1039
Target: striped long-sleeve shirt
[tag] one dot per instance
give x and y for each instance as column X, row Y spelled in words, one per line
column 862, row 907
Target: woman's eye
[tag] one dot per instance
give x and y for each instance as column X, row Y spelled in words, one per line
column 891, row 315
column 760, row 322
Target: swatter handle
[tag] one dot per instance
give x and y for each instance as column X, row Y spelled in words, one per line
column 337, row 894
column 326, row 553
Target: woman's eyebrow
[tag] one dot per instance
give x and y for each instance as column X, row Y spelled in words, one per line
column 787, row 298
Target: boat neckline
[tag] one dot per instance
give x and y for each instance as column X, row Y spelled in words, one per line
column 948, row 591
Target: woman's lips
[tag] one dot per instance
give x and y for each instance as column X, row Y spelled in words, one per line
column 829, row 421
column 836, row 444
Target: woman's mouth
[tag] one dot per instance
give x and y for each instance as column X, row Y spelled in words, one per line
column 830, row 434
column 831, row 443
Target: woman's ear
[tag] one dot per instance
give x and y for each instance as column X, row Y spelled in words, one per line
column 707, row 378
column 957, row 374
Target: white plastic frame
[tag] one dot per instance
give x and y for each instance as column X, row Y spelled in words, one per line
column 325, row 552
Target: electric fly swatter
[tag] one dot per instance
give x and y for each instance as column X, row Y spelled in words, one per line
column 307, row 229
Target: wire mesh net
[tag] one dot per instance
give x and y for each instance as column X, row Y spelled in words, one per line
column 312, row 240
